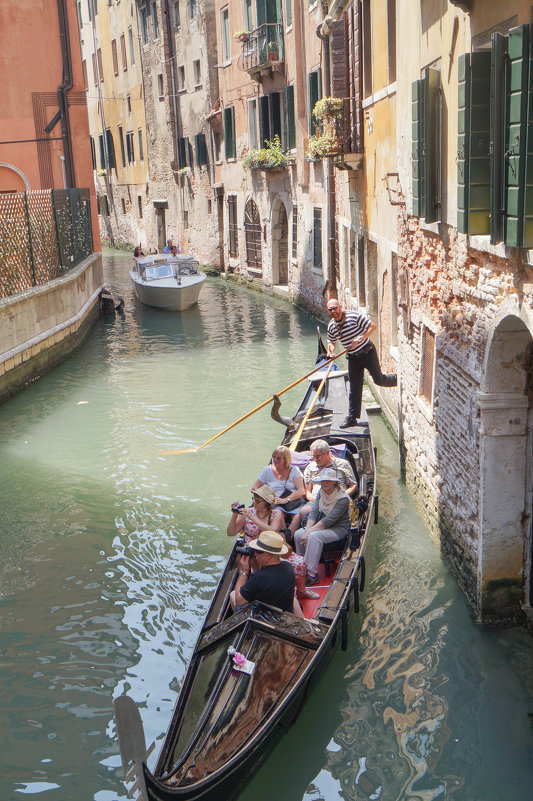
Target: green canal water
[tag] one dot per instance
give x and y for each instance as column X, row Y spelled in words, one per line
column 110, row 552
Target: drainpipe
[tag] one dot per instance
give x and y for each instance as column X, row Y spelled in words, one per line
column 171, row 58
column 322, row 31
column 66, row 86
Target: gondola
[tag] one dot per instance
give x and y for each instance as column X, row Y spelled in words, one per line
column 225, row 721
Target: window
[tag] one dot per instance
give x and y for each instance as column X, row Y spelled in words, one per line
column 95, row 70
column 295, row 231
column 123, row 206
column 288, row 13
column 270, row 118
column 141, row 148
column 144, row 24
column 183, row 152
column 209, row 205
column 84, row 71
column 100, row 66
column 132, row 50
column 393, row 300
column 104, row 205
column 176, row 14
column 217, row 145
column 93, row 153
column 361, row 272
column 130, row 147
column 391, row 36
column 252, row 124
column 426, row 150
column 201, row 149
column 140, row 206
column 191, row 8
column 80, row 19
column 110, row 149
column 181, row 79
column 114, row 54
column 122, row 150
column 226, row 49
column 155, row 21
column 123, row 52
column 252, row 233
column 232, row 226
column 90, row 10
column 197, row 72
column 185, row 218
column 427, row 364
column 229, row 133
column 128, row 103
column 248, row 16
column 315, row 93
column 367, row 49
column 317, row 239
column 101, row 148
column 160, row 86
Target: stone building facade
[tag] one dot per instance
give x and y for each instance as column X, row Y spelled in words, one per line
column 465, row 288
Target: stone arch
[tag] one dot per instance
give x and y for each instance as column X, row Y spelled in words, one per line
column 6, row 166
column 504, row 548
column 280, row 243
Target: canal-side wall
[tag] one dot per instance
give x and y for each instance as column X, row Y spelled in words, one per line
column 44, row 325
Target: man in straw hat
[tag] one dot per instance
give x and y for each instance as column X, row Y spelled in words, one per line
column 273, row 578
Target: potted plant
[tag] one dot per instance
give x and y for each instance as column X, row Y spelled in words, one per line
column 241, row 36
column 273, row 51
column 328, row 108
column 323, row 145
column 270, row 157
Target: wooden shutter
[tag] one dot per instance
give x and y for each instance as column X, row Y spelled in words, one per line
column 290, row 138
column 182, row 152
column 497, row 125
column 516, row 134
column 357, row 84
column 339, row 63
column 201, row 149
column 417, row 153
column 229, row 133
column 473, row 157
column 432, row 138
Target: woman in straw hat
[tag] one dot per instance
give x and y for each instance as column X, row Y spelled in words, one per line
column 329, row 520
column 262, row 517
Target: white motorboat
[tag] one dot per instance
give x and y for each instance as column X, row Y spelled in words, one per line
column 166, row 281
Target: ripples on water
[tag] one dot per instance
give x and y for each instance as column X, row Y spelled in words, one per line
column 109, row 554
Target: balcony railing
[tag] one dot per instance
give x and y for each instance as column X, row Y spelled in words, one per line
column 264, row 47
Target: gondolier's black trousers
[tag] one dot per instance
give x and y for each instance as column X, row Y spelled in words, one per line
column 366, row 359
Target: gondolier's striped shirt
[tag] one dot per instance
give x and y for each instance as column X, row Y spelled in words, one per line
column 352, row 325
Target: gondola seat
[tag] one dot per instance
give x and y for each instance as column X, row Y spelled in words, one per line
column 333, row 551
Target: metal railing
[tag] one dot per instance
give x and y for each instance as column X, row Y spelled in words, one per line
column 264, row 45
column 43, row 235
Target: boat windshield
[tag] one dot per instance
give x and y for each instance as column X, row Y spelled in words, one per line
column 162, row 271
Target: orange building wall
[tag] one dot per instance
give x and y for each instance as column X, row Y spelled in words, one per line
column 31, row 70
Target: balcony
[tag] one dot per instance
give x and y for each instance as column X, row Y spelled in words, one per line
column 263, row 50
column 335, row 133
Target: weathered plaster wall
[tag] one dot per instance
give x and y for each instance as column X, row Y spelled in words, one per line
column 44, row 325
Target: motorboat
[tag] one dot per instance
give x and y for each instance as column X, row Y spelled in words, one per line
column 166, row 281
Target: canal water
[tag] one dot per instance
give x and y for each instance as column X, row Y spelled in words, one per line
column 110, row 552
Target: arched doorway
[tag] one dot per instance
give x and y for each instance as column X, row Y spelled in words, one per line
column 252, row 231
column 504, row 567
column 280, row 245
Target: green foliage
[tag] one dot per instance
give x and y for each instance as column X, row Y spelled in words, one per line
column 272, row 155
column 323, row 145
column 241, row 34
column 328, row 108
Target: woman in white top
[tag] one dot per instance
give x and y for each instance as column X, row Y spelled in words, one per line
column 281, row 475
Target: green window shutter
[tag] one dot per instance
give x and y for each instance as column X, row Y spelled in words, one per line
column 275, row 114
column 528, row 169
column 264, row 120
column 463, row 143
column 417, row 154
column 432, row 138
column 473, row 193
column 290, row 140
column 516, row 134
column 229, row 133
column 497, row 124
column 182, row 152
column 201, row 149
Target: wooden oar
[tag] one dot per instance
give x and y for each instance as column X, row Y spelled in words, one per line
column 253, row 411
column 294, row 443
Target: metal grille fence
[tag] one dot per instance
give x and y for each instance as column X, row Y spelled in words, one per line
column 43, row 235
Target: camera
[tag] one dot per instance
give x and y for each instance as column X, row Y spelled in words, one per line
column 237, row 508
column 243, row 549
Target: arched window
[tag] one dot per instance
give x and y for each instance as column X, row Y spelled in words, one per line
column 252, row 230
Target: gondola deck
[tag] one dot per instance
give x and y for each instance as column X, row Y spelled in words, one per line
column 224, row 722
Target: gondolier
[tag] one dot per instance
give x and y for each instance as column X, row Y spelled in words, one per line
column 353, row 330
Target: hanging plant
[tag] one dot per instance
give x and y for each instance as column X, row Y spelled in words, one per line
column 323, row 145
column 328, row 108
column 268, row 157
